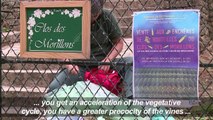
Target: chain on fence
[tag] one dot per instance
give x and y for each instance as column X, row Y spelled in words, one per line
column 25, row 81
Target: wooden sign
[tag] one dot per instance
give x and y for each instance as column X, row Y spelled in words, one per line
column 55, row 29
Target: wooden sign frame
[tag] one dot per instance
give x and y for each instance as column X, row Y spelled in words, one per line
column 85, row 50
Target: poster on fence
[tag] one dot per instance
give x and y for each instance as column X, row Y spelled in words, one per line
column 166, row 54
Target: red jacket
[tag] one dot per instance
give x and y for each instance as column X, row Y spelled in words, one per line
column 109, row 79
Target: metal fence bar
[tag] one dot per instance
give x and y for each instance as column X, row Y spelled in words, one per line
column 5, row 61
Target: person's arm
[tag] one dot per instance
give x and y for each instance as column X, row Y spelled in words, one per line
column 115, row 51
column 73, row 69
column 115, row 34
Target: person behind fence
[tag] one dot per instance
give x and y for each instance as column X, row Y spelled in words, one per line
column 106, row 45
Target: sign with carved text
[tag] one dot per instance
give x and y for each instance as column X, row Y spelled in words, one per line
column 55, row 29
column 166, row 54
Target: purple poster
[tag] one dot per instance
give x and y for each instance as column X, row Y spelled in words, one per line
column 166, row 54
